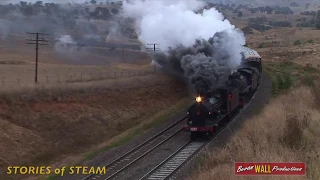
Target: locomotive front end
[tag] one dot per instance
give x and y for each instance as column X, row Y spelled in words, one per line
column 198, row 114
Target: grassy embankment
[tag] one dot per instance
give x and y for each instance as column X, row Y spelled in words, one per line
column 285, row 130
column 130, row 134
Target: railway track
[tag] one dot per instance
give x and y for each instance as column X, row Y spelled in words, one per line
column 123, row 162
column 170, row 165
column 174, row 162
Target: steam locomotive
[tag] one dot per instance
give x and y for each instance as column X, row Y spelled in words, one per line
column 216, row 107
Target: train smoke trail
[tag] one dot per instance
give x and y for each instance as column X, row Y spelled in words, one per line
column 203, row 47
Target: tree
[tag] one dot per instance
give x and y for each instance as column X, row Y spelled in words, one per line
column 253, row 10
column 318, row 24
column 39, row 3
column 269, row 9
column 318, row 20
column 307, row 5
column 240, row 14
column 294, row 4
column 93, row 2
column 23, row 4
column 115, row 11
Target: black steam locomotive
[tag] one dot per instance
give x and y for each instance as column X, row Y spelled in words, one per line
column 213, row 109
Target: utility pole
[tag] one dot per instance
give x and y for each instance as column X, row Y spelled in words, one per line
column 37, row 43
column 154, row 50
column 154, row 47
column 122, row 54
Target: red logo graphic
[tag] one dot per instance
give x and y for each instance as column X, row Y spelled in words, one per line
column 262, row 168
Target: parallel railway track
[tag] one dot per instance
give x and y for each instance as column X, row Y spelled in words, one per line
column 134, row 155
column 174, row 162
column 170, row 165
column 167, row 168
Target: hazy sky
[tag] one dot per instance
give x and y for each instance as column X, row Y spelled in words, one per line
column 54, row 1
column 45, row 1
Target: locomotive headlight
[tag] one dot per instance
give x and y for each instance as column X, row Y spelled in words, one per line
column 190, row 122
column 198, row 99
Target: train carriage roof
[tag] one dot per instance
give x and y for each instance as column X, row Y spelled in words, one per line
column 250, row 53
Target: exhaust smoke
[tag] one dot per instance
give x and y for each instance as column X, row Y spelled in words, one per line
column 201, row 48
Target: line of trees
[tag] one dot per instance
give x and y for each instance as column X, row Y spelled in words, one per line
column 241, row 7
column 314, row 22
column 53, row 16
column 37, row 8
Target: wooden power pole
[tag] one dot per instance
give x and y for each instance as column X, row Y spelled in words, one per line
column 154, row 47
column 37, row 42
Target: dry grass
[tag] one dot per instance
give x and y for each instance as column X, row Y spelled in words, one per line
column 77, row 77
column 278, row 45
column 17, row 64
column 45, row 125
column 286, row 130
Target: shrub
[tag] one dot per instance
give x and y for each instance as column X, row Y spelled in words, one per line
column 287, row 81
column 310, row 41
column 261, row 45
column 247, row 30
column 297, row 42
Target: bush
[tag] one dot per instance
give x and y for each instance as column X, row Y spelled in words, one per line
column 261, row 45
column 274, row 86
column 297, row 42
column 247, row 30
column 280, row 23
column 259, row 27
column 310, row 41
column 287, row 81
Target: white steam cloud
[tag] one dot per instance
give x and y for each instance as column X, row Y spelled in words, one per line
column 203, row 46
column 174, row 22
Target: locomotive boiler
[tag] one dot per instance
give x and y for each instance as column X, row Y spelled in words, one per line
column 216, row 107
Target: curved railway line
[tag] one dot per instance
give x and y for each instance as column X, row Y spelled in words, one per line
column 174, row 162
column 123, row 162
column 168, row 167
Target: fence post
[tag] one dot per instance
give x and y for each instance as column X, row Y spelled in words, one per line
column 81, row 76
column 47, row 79
column 115, row 75
column 58, row 79
column 100, row 76
column 18, row 80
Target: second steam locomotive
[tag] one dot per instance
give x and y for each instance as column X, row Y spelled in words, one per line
column 213, row 109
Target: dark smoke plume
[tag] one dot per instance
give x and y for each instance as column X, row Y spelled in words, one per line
column 206, row 64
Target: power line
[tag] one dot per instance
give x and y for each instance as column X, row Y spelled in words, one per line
column 37, row 42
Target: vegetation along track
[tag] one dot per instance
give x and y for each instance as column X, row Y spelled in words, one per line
column 169, row 166
column 132, row 156
column 174, row 162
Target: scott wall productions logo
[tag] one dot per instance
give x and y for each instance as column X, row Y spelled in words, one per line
column 262, row 168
